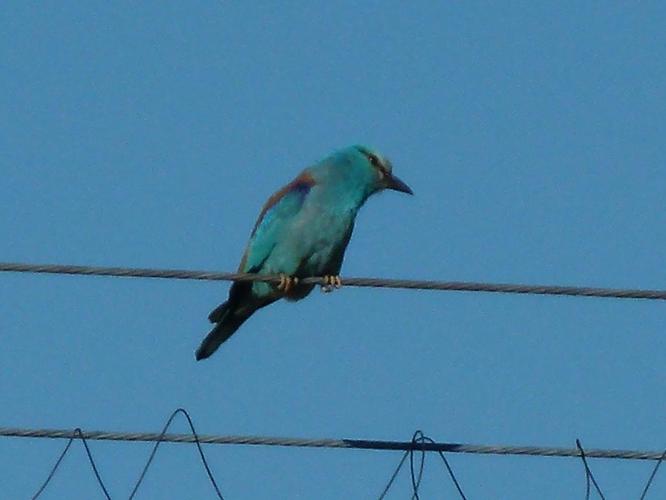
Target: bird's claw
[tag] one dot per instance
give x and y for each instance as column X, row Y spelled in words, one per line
column 330, row 283
column 287, row 283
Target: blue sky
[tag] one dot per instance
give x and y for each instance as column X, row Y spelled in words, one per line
column 150, row 134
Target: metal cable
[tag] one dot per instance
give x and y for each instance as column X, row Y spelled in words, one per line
column 360, row 444
column 464, row 286
column 76, row 434
column 588, row 474
column 394, row 475
column 652, row 475
column 194, row 435
column 417, row 439
column 456, row 483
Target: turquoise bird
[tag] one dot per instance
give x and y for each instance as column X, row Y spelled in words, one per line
column 302, row 231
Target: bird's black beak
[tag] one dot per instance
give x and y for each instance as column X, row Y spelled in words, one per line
column 392, row 182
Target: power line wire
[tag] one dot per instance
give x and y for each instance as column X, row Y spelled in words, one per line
column 464, row 286
column 359, row 444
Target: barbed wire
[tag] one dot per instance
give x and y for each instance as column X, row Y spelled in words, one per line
column 461, row 286
column 419, row 443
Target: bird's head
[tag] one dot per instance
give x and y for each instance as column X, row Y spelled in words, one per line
column 376, row 170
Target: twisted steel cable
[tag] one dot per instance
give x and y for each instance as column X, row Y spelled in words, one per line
column 463, row 286
column 360, row 444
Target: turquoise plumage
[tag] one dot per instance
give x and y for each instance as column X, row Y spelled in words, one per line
column 303, row 230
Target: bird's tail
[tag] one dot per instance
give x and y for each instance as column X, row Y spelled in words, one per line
column 228, row 321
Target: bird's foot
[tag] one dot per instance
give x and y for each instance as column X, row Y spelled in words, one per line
column 287, row 283
column 330, row 283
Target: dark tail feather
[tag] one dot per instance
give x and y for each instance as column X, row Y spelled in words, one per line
column 218, row 313
column 228, row 321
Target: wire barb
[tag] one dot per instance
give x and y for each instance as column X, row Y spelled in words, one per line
column 461, row 286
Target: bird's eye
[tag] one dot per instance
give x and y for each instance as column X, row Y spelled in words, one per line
column 374, row 161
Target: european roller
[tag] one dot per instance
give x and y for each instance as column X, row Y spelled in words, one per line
column 302, row 231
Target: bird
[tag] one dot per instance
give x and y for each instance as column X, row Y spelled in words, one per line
column 302, row 231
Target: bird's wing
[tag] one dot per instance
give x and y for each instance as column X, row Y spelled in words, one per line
column 273, row 220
